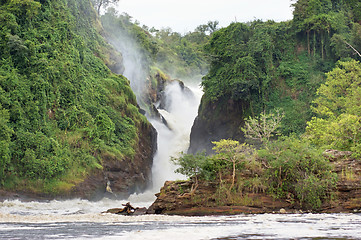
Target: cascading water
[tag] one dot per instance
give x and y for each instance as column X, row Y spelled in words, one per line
column 181, row 107
column 180, row 111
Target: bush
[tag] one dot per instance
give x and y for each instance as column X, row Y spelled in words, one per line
column 296, row 169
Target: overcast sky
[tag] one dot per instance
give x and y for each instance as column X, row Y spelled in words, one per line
column 185, row 15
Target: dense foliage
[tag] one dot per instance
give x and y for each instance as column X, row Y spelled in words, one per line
column 62, row 110
column 297, row 170
column 289, row 168
column 280, row 65
column 338, row 121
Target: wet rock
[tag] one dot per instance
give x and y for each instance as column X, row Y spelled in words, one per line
column 128, row 209
column 216, row 121
column 283, row 211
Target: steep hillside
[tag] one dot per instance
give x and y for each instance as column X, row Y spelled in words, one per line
column 68, row 124
column 261, row 66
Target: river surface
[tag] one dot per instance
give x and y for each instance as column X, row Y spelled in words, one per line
column 81, row 219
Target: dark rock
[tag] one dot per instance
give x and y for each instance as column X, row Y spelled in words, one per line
column 128, row 209
column 216, row 121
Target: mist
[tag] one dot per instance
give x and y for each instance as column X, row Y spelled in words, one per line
column 136, row 64
column 179, row 108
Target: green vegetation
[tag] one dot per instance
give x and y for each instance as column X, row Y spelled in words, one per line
column 338, row 121
column 288, row 168
column 264, row 127
column 297, row 170
column 261, row 66
column 280, row 65
column 62, row 110
column 98, row 4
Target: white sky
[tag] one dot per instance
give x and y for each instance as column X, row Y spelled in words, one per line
column 185, row 15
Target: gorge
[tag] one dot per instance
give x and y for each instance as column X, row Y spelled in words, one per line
column 83, row 98
column 97, row 110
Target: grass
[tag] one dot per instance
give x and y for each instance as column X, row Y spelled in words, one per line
column 348, row 174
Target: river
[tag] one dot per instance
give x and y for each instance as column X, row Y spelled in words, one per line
column 82, row 219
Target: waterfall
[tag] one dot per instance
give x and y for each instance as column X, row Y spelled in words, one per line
column 179, row 110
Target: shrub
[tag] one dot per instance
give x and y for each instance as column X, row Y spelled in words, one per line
column 296, row 168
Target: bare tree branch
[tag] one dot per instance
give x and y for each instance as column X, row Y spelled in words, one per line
column 352, row 48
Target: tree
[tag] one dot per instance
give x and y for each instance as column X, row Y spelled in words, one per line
column 191, row 166
column 5, row 135
column 233, row 72
column 231, row 151
column 338, row 124
column 295, row 168
column 264, row 126
column 212, row 26
column 98, row 4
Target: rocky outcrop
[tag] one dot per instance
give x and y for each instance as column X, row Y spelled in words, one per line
column 155, row 97
column 216, row 121
column 176, row 197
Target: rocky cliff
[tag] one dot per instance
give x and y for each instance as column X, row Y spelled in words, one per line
column 215, row 121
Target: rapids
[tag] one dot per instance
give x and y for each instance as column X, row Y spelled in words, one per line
column 52, row 224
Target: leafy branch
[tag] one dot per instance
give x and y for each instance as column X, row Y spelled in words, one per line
column 264, row 126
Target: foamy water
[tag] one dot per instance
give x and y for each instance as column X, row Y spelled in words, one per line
column 20, row 220
column 181, row 110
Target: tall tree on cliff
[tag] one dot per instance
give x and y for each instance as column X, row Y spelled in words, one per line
column 98, row 4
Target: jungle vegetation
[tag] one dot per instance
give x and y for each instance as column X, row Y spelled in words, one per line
column 62, row 109
column 281, row 65
column 308, row 67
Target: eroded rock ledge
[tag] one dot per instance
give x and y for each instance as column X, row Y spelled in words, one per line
column 175, row 197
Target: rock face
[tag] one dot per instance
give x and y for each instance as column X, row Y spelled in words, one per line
column 175, row 197
column 125, row 177
column 216, row 121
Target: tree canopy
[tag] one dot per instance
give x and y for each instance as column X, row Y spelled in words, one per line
column 61, row 109
column 338, row 121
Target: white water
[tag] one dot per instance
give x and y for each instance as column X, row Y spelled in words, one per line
column 52, row 224
column 181, row 111
column 180, row 114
